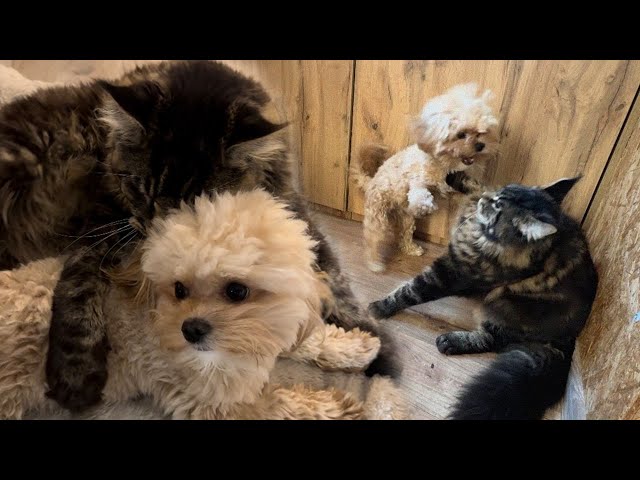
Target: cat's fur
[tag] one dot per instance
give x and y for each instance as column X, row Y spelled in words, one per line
column 90, row 165
column 531, row 263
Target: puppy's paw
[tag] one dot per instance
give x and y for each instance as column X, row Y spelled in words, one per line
column 376, row 267
column 350, row 351
column 385, row 401
column 380, row 309
column 421, row 202
column 412, row 249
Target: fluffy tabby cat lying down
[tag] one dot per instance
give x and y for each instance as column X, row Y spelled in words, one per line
column 530, row 262
column 85, row 168
column 219, row 291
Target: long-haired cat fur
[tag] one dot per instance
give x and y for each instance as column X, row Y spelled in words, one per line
column 85, row 168
column 531, row 263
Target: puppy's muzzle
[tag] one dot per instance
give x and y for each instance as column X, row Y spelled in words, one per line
column 195, row 330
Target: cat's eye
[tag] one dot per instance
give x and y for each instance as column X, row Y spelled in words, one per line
column 181, row 292
column 461, row 135
column 236, row 292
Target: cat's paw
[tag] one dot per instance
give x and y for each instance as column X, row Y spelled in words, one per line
column 380, row 310
column 449, row 344
column 75, row 382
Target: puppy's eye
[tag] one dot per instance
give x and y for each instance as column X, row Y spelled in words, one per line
column 461, row 135
column 181, row 291
column 498, row 204
column 236, row 292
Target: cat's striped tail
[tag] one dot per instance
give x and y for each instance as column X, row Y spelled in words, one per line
column 521, row 384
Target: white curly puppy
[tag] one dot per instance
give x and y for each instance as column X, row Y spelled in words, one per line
column 454, row 132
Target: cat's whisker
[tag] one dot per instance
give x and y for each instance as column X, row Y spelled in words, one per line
column 122, row 229
column 127, row 239
column 111, row 248
column 117, row 222
column 87, row 236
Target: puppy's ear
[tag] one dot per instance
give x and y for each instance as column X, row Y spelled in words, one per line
column 429, row 132
column 245, row 122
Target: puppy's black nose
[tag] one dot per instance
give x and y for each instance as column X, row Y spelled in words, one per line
column 479, row 146
column 195, row 329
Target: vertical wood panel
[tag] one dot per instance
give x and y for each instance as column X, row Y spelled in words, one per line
column 389, row 93
column 610, row 344
column 563, row 119
column 327, row 97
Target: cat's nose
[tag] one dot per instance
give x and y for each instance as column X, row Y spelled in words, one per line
column 479, row 146
column 195, row 329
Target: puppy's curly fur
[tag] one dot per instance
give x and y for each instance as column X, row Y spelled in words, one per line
column 182, row 336
column 454, row 132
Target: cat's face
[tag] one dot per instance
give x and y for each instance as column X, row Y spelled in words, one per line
column 519, row 215
column 191, row 127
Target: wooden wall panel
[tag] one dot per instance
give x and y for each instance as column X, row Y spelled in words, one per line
column 559, row 118
column 326, row 117
column 389, row 93
column 610, row 344
column 562, row 119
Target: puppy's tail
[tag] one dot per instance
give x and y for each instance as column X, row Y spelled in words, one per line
column 519, row 385
column 369, row 160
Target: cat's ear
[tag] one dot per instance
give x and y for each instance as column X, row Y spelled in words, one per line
column 138, row 100
column 559, row 189
column 245, row 122
column 534, row 229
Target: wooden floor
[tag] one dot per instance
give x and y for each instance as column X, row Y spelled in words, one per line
column 430, row 379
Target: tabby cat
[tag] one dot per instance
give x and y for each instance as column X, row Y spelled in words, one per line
column 84, row 169
column 531, row 263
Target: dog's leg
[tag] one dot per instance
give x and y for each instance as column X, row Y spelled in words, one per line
column 407, row 226
column 332, row 348
column 378, row 239
column 298, row 403
column 344, row 310
column 421, row 202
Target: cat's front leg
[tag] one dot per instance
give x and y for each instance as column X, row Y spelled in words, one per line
column 77, row 358
column 420, row 202
column 458, row 343
column 463, row 183
column 440, row 280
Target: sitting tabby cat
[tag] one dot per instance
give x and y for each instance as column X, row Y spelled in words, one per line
column 531, row 263
column 84, row 169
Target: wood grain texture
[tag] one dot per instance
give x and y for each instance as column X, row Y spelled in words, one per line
column 562, row 119
column 327, row 96
column 389, row 93
column 610, row 344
